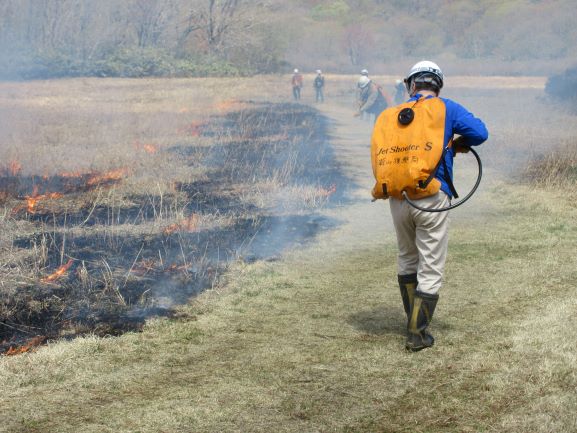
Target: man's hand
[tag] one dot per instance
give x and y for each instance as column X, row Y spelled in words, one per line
column 460, row 146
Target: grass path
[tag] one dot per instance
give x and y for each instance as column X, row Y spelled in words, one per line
column 314, row 343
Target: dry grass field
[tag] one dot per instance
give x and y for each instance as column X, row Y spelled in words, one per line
column 123, row 199
column 167, row 188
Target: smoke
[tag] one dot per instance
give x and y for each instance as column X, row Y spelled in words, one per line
column 105, row 266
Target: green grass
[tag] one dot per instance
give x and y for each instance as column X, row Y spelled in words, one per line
column 314, row 343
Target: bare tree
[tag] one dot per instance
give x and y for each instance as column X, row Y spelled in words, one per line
column 150, row 18
column 357, row 41
column 211, row 21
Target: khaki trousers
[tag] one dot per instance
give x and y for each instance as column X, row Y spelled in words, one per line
column 423, row 239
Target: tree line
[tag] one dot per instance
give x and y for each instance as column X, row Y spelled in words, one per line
column 41, row 38
column 51, row 38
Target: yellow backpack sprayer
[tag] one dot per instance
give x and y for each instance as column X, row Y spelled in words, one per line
column 406, row 155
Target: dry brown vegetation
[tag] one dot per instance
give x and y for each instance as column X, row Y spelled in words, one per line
column 556, row 169
column 122, row 199
column 313, row 341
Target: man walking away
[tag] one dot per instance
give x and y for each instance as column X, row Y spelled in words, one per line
column 297, row 84
column 404, row 138
column 319, row 85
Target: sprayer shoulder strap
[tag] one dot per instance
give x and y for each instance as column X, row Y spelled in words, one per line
column 446, row 176
column 424, row 183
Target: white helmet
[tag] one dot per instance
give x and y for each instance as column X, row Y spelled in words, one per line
column 425, row 72
column 363, row 82
column 365, row 72
column 296, row 71
column 319, row 71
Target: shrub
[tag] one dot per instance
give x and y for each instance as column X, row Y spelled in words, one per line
column 199, row 67
column 330, row 10
column 556, row 169
column 123, row 62
column 130, row 62
column 50, row 64
column 563, row 86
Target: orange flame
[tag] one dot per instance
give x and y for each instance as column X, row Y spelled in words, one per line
column 147, row 147
column 189, row 224
column 150, row 148
column 228, row 105
column 59, row 272
column 95, row 178
column 30, row 344
column 32, row 201
column 111, row 176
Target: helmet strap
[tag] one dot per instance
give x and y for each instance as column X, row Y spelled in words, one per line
column 407, row 82
column 412, row 88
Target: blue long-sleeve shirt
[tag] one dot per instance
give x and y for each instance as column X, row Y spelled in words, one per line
column 458, row 120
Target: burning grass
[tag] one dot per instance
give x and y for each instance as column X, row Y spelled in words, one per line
column 27, row 188
column 93, row 256
column 28, row 346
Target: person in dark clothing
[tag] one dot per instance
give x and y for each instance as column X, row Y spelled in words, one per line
column 297, row 84
column 319, row 85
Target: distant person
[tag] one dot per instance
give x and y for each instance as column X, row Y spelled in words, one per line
column 372, row 98
column 319, row 84
column 297, row 84
column 412, row 151
column 400, row 92
column 364, row 73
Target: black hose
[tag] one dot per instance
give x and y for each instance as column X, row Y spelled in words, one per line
column 460, row 202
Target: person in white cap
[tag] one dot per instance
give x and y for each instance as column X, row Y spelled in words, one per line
column 403, row 139
column 362, row 79
column 297, row 84
column 319, row 84
column 372, row 98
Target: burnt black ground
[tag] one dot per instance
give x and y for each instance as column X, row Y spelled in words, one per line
column 121, row 292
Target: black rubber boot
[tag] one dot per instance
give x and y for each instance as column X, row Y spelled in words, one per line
column 421, row 316
column 408, row 285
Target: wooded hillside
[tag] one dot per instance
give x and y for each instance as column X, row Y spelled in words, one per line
column 51, row 38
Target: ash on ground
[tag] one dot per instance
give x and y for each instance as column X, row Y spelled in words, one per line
column 105, row 269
